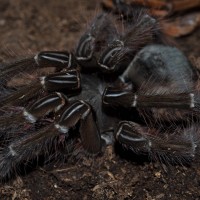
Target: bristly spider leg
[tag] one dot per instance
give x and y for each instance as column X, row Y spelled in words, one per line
column 32, row 145
column 174, row 145
column 32, row 113
column 171, row 87
column 68, row 81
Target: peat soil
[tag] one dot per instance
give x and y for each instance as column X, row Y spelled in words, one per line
column 31, row 26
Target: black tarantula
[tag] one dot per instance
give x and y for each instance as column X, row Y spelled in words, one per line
column 112, row 79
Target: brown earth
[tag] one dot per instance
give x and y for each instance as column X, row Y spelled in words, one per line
column 32, row 26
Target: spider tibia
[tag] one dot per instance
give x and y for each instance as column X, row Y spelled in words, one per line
column 62, row 129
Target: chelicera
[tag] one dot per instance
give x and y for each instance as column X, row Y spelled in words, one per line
column 96, row 90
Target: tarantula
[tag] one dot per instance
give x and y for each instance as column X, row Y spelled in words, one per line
column 97, row 91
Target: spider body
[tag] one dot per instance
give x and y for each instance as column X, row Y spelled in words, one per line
column 96, row 91
column 92, row 90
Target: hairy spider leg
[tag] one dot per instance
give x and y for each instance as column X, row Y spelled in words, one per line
column 179, row 145
column 82, row 112
column 162, row 77
column 32, row 145
column 121, row 50
column 57, row 59
column 101, row 32
column 176, row 144
column 32, row 113
column 67, row 81
column 127, row 98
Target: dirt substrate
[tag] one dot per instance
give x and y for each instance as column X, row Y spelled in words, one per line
column 32, row 26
